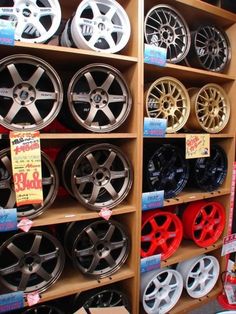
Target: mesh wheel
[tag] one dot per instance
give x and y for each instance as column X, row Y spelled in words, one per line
column 43, row 309
column 167, row 98
column 30, row 93
column 165, row 27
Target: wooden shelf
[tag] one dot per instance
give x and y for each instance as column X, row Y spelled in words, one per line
column 68, row 210
column 72, row 281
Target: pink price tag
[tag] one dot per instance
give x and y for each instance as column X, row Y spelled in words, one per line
column 33, row 298
column 25, row 224
column 105, row 213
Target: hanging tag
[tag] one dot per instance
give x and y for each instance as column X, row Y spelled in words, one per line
column 33, row 298
column 105, row 213
column 25, row 224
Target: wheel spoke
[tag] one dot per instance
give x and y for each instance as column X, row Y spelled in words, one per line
column 49, row 256
column 92, row 235
column 94, row 194
column 91, row 116
column 168, row 279
column 6, row 92
column 107, row 111
column 10, row 269
column 81, row 97
column 46, row 11
column 12, row 112
column 15, row 250
column 44, row 274
column 36, row 76
column 43, row 95
column 84, row 179
column 38, row 26
column 95, row 9
column 119, row 174
column 110, row 189
column 117, row 245
column 85, row 252
column 107, row 84
column 110, row 160
column 36, row 244
column 93, row 264
column 111, row 12
column 33, row 110
column 109, row 233
column 7, row 11
column 110, row 260
column 7, row 164
column 20, row 27
column 92, row 161
column 5, row 184
column 25, row 277
column 90, row 80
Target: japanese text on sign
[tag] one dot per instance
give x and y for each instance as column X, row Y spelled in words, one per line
column 197, row 145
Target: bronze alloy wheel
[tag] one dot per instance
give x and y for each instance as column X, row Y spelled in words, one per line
column 31, row 261
column 167, row 98
column 30, row 93
column 98, row 247
column 210, row 108
column 97, row 176
column 50, row 183
column 99, row 98
column 210, row 49
column 165, row 27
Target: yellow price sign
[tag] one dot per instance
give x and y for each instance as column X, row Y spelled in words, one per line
column 197, row 145
column 26, row 167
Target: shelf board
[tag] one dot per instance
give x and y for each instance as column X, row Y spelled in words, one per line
column 188, row 249
column 68, row 210
column 189, row 195
column 184, row 74
column 182, row 135
column 72, row 281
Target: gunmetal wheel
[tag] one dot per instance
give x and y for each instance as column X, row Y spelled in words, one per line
column 36, row 21
column 167, row 170
column 43, row 309
column 210, row 108
column 210, row 49
column 98, row 248
column 99, row 98
column 98, row 175
column 167, row 98
column 165, row 27
column 50, row 184
column 209, row 173
column 31, row 261
column 30, row 93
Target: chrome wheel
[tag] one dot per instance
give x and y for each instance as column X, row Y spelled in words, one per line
column 99, row 98
column 210, row 49
column 98, row 176
column 30, row 93
column 165, row 27
column 98, row 248
column 210, row 108
column 36, row 21
column 100, row 25
column 30, row 261
column 50, row 183
column 160, row 290
column 167, row 98
column 200, row 275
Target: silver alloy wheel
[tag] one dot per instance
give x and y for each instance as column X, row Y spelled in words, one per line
column 200, row 274
column 99, row 98
column 100, row 25
column 165, row 27
column 50, row 184
column 31, row 261
column 98, row 176
column 160, row 290
column 98, row 248
column 36, row 21
column 31, row 93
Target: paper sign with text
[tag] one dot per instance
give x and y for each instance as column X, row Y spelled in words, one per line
column 154, row 54
column 154, row 127
column 229, row 244
column 8, row 219
column 150, row 263
column 197, row 145
column 152, row 200
column 26, row 167
column 7, row 31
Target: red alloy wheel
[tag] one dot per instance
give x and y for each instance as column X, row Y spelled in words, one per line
column 162, row 232
column 203, row 222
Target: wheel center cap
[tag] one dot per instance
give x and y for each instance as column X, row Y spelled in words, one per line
column 24, row 94
column 99, row 98
column 26, row 12
column 101, row 176
column 101, row 26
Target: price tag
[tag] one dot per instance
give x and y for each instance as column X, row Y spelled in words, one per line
column 230, row 291
column 151, row 200
column 229, row 244
column 105, row 213
column 154, row 127
column 11, row 301
column 7, row 31
column 25, row 224
column 8, row 219
column 33, row 298
column 26, row 167
column 154, row 54
column 197, row 145
column 150, row 263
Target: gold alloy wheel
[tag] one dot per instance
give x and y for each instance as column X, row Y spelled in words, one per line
column 210, row 108
column 167, row 98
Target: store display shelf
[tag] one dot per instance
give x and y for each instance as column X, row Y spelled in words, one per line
column 183, row 135
column 73, row 281
column 190, row 195
column 68, row 210
column 188, row 249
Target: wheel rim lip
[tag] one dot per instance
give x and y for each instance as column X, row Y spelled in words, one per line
column 183, row 181
column 50, row 197
column 128, row 179
column 44, row 307
column 79, row 39
column 190, row 215
column 122, row 256
column 148, row 278
column 226, row 105
column 183, row 22
column 119, row 77
column 55, row 80
column 60, row 261
column 185, row 267
column 176, row 240
column 48, row 34
column 167, row 79
column 227, row 42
